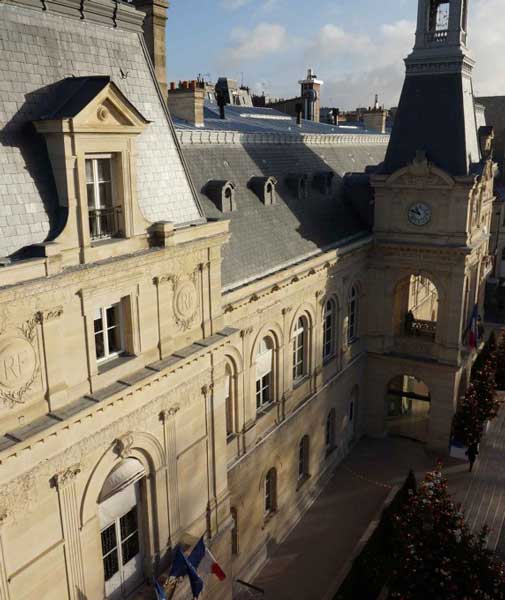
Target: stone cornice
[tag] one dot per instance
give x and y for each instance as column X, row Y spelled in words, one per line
column 207, row 137
column 102, row 12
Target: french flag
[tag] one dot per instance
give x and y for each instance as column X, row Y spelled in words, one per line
column 203, row 560
column 473, row 333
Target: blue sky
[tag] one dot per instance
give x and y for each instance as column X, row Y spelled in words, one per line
column 355, row 46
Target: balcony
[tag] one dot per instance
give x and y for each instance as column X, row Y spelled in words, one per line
column 437, row 37
column 422, row 329
column 104, row 223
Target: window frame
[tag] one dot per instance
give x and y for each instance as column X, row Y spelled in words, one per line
column 230, row 402
column 300, row 350
column 353, row 315
column 265, row 384
column 329, row 331
column 108, row 356
column 303, row 458
column 270, row 492
column 330, row 430
column 116, row 204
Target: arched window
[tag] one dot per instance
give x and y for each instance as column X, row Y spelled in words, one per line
column 120, row 530
column 234, row 531
column 353, row 315
column 265, row 374
column 330, row 430
column 300, row 349
column 329, row 329
column 271, row 492
column 230, row 401
column 303, row 458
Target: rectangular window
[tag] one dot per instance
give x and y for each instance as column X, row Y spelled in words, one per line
column 299, row 353
column 263, row 391
column 102, row 209
column 108, row 332
column 328, row 336
column 116, row 555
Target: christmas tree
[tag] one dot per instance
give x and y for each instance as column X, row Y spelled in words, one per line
column 437, row 557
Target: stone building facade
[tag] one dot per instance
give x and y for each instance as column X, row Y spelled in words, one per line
column 196, row 325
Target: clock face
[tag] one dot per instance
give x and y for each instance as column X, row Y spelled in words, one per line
column 420, row 213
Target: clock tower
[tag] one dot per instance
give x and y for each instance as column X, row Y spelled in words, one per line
column 433, row 199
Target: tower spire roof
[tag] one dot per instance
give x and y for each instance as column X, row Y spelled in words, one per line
column 436, row 113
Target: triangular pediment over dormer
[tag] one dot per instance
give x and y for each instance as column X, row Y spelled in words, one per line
column 91, row 105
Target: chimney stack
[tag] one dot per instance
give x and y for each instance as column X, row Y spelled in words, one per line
column 374, row 119
column 154, row 33
column 299, row 110
column 186, row 101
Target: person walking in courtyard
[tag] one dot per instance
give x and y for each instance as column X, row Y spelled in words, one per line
column 472, row 454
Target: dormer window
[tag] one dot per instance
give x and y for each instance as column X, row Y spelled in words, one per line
column 90, row 134
column 103, row 209
column 323, row 182
column 265, row 189
column 222, row 193
column 299, row 186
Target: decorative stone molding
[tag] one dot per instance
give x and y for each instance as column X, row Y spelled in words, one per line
column 124, row 444
column 66, row 477
column 205, row 136
column 207, row 389
column 245, row 332
column 170, row 412
column 286, row 310
column 50, row 315
column 319, row 293
column 19, row 365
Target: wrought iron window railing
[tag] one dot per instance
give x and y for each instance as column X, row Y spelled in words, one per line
column 104, row 222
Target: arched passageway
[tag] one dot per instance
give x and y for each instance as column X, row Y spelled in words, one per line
column 408, row 404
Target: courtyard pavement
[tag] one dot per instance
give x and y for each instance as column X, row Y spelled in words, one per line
column 482, row 492
column 307, row 564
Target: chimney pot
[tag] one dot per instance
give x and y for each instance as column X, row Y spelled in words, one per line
column 172, row 85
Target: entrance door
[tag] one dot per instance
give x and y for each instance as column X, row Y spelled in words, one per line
column 121, row 543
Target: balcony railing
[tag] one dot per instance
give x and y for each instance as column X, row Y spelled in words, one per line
column 437, row 37
column 420, row 328
column 104, row 222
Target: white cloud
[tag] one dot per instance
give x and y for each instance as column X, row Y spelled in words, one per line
column 234, row 4
column 264, row 39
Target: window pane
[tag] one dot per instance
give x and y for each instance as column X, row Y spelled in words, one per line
column 114, row 337
column 98, row 322
column 91, row 195
column 128, row 523
column 110, row 565
column 113, row 315
column 130, row 547
column 99, row 346
column 89, row 171
column 109, row 541
column 105, row 190
column 103, row 168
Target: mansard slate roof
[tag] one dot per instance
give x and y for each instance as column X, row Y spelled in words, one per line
column 246, row 119
column 432, row 116
column 264, row 239
column 40, row 49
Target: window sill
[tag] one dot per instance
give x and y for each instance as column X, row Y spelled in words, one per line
column 329, row 359
column 97, row 243
column 302, row 480
column 115, row 362
column 299, row 382
column 268, row 517
column 230, row 437
column 261, row 412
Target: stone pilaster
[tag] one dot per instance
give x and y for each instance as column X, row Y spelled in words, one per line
column 4, row 583
column 168, row 417
column 164, row 297
column 50, row 321
column 69, row 514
